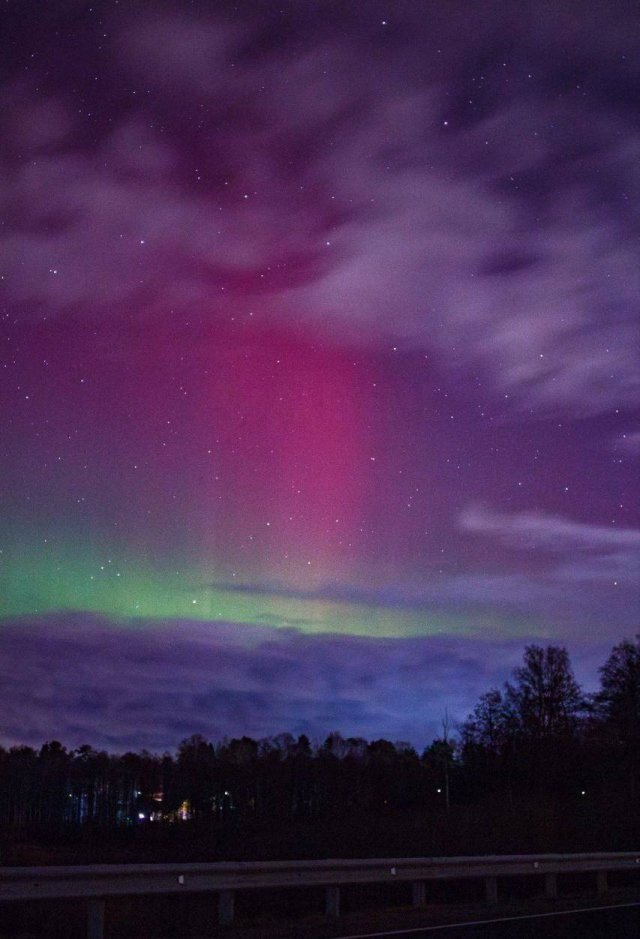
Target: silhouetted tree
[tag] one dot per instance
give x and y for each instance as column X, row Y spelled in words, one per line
column 545, row 700
column 617, row 705
column 618, row 700
column 196, row 764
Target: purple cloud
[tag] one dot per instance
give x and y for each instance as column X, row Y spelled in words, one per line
column 83, row 679
column 401, row 204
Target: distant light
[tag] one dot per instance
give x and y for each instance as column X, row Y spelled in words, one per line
column 141, row 815
column 438, row 790
column 583, row 792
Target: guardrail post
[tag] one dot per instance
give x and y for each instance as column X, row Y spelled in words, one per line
column 491, row 890
column 601, row 882
column 226, row 903
column 418, row 893
column 332, row 901
column 95, row 918
column 551, row 886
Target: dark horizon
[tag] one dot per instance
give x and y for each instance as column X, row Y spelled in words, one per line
column 537, row 765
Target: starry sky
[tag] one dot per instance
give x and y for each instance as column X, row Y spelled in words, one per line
column 319, row 378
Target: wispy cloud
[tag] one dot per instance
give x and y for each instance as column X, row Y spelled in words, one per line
column 627, row 442
column 603, row 560
column 379, row 200
column 536, row 529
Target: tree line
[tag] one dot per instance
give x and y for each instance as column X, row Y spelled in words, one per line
column 539, row 737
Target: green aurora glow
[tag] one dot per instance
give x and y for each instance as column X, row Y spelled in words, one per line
column 78, row 578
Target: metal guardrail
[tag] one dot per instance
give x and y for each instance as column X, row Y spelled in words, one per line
column 99, row 881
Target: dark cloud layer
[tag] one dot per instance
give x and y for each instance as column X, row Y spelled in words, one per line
column 120, row 685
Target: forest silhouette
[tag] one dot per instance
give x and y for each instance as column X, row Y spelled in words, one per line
column 537, row 766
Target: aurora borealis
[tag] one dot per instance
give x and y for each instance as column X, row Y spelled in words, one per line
column 319, row 387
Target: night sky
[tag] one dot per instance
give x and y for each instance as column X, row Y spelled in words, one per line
column 320, row 384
